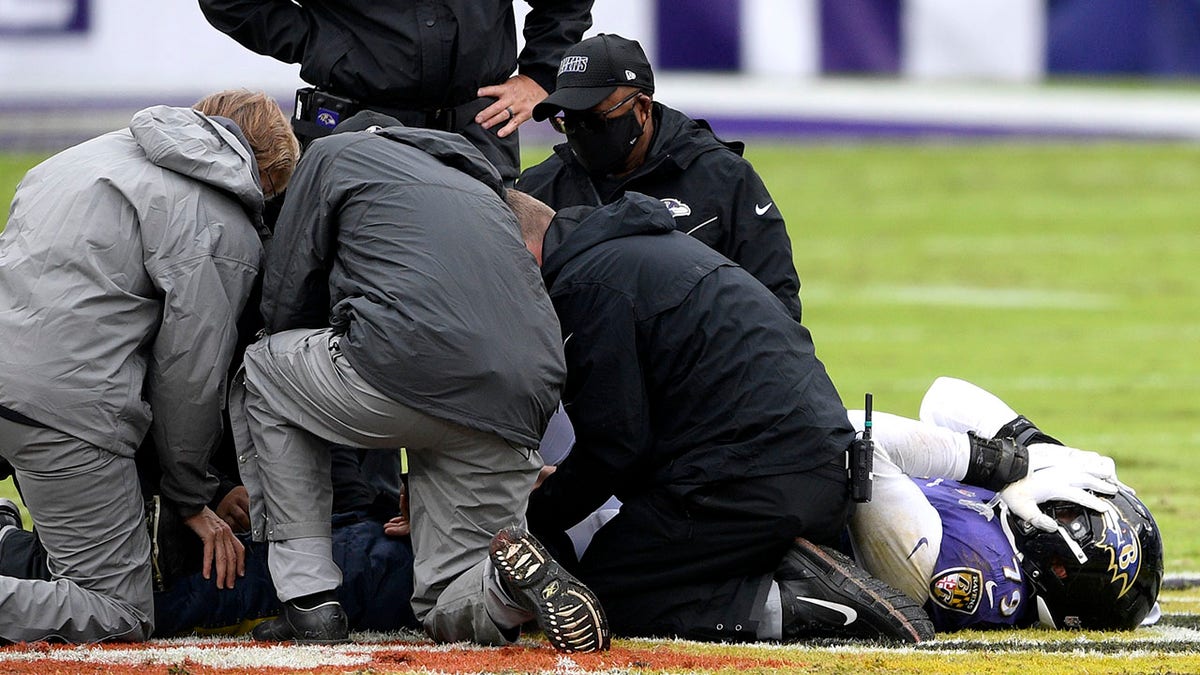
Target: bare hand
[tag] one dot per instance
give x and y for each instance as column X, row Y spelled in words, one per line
column 399, row 526
column 513, row 105
column 222, row 550
column 235, row 509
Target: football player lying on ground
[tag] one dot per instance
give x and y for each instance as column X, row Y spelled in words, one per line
column 1067, row 550
column 1067, row 545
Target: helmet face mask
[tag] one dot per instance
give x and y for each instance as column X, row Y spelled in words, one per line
column 1100, row 570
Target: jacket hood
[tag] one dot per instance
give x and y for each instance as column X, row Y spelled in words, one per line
column 576, row 229
column 202, row 148
column 683, row 139
column 450, row 149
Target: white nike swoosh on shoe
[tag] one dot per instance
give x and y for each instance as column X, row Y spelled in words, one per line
column 762, row 209
column 845, row 611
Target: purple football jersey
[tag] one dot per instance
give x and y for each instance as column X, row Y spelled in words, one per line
column 977, row 582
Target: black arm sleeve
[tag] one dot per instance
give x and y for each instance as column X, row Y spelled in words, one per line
column 550, row 28
column 295, row 287
column 275, row 28
column 606, row 400
column 759, row 239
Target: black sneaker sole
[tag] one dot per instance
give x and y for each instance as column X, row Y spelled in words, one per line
column 298, row 641
column 566, row 610
column 897, row 617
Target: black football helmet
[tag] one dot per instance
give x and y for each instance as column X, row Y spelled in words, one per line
column 1100, row 570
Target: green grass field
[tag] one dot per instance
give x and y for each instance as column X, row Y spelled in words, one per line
column 1060, row 276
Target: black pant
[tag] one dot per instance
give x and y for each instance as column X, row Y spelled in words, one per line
column 697, row 561
column 22, row 556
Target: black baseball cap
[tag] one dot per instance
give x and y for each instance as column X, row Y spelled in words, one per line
column 591, row 70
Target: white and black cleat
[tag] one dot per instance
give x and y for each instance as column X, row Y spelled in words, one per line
column 565, row 609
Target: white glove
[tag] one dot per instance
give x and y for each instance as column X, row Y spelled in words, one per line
column 1045, row 455
column 1059, row 473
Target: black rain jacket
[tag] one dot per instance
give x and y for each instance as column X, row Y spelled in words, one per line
column 414, row 54
column 681, row 368
column 714, row 194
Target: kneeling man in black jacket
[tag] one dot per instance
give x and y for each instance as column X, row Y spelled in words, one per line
column 700, row 403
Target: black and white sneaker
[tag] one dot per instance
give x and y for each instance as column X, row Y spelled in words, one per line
column 324, row 624
column 825, row 595
column 566, row 610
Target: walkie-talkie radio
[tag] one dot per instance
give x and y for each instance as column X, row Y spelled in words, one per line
column 317, row 112
column 861, row 460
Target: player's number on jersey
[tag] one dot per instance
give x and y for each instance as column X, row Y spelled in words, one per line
column 1009, row 604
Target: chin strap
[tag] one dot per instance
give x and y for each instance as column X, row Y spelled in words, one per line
column 995, row 462
column 1044, row 616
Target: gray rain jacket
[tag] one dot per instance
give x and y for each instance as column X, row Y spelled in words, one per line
column 401, row 241
column 123, row 268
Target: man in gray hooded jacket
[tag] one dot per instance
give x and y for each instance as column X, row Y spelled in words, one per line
column 124, row 265
column 403, row 310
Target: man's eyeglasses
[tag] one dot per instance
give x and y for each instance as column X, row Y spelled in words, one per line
column 594, row 122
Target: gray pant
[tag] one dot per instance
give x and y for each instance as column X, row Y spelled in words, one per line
column 87, row 506
column 300, row 395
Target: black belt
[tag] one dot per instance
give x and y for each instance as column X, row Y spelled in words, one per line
column 318, row 111
column 441, row 119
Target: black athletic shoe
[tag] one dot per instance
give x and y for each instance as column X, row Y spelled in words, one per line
column 825, row 595
column 325, row 624
column 566, row 610
column 10, row 514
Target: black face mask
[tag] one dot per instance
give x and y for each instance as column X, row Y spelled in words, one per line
column 604, row 151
